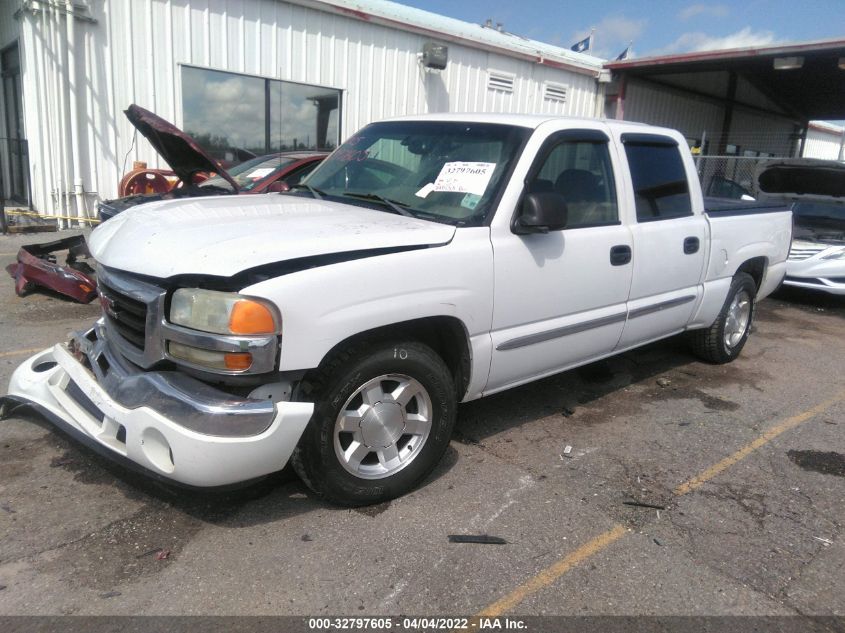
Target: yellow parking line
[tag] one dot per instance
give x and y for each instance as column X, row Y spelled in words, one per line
column 21, row 352
column 768, row 436
column 549, row 575
column 552, row 573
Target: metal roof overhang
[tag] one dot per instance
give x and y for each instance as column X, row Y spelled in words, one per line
column 816, row 90
column 447, row 29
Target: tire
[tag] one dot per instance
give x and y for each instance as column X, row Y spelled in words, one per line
column 723, row 341
column 363, row 445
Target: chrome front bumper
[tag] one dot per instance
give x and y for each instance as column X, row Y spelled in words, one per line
column 166, row 423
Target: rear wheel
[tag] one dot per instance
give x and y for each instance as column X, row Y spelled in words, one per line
column 382, row 420
column 723, row 341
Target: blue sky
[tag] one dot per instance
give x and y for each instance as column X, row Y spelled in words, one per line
column 657, row 26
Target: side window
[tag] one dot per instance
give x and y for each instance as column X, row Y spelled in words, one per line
column 581, row 172
column 660, row 183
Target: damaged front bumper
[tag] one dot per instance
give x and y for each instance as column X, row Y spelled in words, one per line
column 166, row 424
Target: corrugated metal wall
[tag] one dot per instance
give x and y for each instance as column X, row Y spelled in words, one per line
column 824, row 144
column 657, row 105
column 760, row 133
column 134, row 51
column 694, row 116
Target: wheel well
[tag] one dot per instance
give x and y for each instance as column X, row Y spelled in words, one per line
column 444, row 334
column 756, row 267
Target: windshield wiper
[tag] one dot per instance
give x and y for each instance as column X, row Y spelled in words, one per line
column 394, row 205
column 316, row 193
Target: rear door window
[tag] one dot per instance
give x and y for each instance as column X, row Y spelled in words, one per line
column 660, row 183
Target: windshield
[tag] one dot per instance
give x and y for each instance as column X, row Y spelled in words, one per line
column 439, row 170
column 818, row 210
column 248, row 174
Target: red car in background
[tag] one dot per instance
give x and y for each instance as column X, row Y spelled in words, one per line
column 192, row 166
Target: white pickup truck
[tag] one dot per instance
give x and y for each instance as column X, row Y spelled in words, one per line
column 428, row 261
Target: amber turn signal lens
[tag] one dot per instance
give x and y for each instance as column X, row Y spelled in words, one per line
column 251, row 317
column 239, row 361
column 232, row 361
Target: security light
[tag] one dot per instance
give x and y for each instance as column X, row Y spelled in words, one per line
column 788, row 63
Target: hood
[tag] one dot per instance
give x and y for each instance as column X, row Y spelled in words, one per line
column 225, row 235
column 178, row 150
column 803, row 179
column 819, row 232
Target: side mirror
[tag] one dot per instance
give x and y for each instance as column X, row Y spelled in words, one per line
column 280, row 186
column 541, row 212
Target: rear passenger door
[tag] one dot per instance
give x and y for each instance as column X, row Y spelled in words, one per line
column 669, row 240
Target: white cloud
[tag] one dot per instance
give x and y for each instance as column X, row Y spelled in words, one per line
column 612, row 32
column 710, row 10
column 703, row 42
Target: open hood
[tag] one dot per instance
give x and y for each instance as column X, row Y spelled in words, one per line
column 178, row 150
column 803, row 179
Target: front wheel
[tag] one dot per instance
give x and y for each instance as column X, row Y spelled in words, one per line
column 723, row 341
column 383, row 418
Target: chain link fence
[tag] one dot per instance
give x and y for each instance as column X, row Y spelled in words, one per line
column 729, row 176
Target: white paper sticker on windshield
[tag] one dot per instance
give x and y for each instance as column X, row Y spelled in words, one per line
column 261, row 172
column 422, row 193
column 464, row 177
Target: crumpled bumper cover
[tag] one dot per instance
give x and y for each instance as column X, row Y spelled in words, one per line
column 62, row 389
column 36, row 267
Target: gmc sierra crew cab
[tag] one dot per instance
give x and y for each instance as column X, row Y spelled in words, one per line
column 428, row 261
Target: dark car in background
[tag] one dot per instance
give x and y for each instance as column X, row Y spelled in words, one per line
column 263, row 174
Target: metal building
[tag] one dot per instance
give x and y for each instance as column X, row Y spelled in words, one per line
column 736, row 107
column 256, row 74
column 824, row 141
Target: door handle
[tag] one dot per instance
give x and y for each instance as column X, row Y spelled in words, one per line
column 620, row 255
column 691, row 245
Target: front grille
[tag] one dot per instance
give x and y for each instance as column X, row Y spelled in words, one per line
column 804, row 251
column 126, row 315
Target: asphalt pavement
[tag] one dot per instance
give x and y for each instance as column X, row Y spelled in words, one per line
column 689, row 489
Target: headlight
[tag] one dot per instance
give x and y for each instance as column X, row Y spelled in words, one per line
column 840, row 254
column 222, row 312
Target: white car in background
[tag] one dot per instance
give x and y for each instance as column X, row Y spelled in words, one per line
column 817, row 257
column 817, row 189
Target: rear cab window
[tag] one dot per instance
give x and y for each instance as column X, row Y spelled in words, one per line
column 661, row 190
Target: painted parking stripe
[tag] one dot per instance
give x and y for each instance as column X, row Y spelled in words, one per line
column 550, row 574
column 768, row 436
column 555, row 571
column 21, row 352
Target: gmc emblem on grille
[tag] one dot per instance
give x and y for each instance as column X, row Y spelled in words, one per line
column 108, row 304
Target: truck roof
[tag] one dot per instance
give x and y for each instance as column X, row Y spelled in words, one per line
column 522, row 120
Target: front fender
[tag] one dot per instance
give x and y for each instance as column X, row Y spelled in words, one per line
column 323, row 306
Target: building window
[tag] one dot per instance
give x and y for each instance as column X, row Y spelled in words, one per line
column 234, row 117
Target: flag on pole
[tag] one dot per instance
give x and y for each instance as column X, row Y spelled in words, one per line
column 624, row 54
column 584, row 45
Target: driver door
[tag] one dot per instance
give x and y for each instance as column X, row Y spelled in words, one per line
column 560, row 297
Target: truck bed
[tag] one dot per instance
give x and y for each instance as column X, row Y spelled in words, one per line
column 726, row 206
